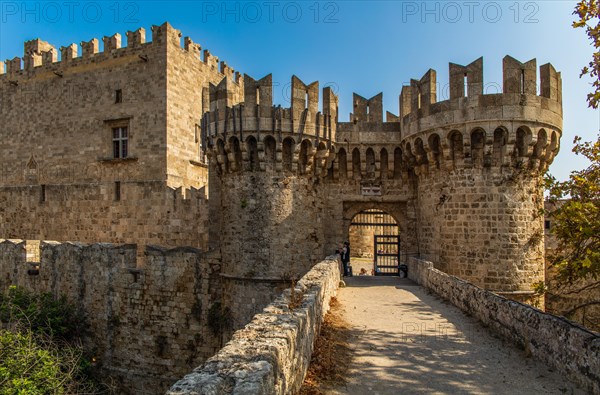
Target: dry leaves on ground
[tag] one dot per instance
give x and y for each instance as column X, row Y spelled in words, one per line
column 331, row 355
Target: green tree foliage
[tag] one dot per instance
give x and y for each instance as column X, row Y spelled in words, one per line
column 588, row 12
column 31, row 366
column 40, row 351
column 577, row 220
column 42, row 314
column 576, row 216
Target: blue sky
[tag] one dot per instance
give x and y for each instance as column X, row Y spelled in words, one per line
column 354, row 46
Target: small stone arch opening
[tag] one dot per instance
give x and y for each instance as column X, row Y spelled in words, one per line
column 383, row 163
column 305, row 148
column 356, row 174
column 342, row 160
column 477, row 147
column 252, row 150
column 287, row 153
column 397, row 163
column 552, row 147
column 270, row 148
column 522, row 141
column 542, row 142
column 222, row 153
column 436, row 149
column 409, row 156
column 234, row 146
column 370, row 163
column 420, row 153
column 499, row 145
column 455, row 140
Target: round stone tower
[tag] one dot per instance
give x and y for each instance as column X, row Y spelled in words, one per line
column 265, row 166
column 479, row 161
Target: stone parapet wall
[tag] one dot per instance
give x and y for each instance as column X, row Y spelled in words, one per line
column 147, row 325
column 145, row 213
column 271, row 354
column 560, row 343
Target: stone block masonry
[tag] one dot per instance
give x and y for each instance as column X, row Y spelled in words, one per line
column 562, row 344
column 148, row 325
column 271, row 354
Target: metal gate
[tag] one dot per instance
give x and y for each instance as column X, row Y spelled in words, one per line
column 386, row 256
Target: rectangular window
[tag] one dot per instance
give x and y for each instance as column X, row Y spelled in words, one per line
column 546, row 224
column 117, row 191
column 118, row 96
column 120, row 140
column 42, row 193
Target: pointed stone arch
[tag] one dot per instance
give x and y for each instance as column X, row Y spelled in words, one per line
column 477, row 147
column 287, row 153
column 456, row 143
column 342, row 159
column 383, row 163
column 270, row 148
column 252, row 151
column 370, row 164
column 499, row 145
column 356, row 171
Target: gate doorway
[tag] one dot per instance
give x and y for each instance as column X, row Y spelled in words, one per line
column 386, row 253
column 374, row 237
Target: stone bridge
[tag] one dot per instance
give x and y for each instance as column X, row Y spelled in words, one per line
column 270, row 355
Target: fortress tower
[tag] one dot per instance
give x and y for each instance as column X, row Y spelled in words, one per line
column 266, row 162
column 479, row 160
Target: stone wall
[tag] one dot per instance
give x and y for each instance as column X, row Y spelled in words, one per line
column 484, row 225
column 146, row 213
column 59, row 176
column 272, row 230
column 148, row 325
column 271, row 354
column 560, row 343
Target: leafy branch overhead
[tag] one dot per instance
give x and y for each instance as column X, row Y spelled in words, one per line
column 588, row 12
column 576, row 212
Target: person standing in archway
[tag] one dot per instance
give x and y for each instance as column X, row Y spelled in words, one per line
column 346, row 257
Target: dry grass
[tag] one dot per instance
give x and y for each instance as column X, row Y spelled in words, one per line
column 331, row 355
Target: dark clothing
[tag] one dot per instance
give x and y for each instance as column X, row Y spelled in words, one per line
column 346, row 259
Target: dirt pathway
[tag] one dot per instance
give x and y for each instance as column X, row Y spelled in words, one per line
column 411, row 342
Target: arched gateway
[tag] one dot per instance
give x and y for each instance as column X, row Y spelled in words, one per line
column 460, row 177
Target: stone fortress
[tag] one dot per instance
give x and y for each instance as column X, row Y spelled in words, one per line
column 217, row 197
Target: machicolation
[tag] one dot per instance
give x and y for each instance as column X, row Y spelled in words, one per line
column 155, row 145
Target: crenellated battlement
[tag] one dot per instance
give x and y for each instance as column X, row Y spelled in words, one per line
column 40, row 57
column 516, row 128
column 520, row 97
column 243, row 128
